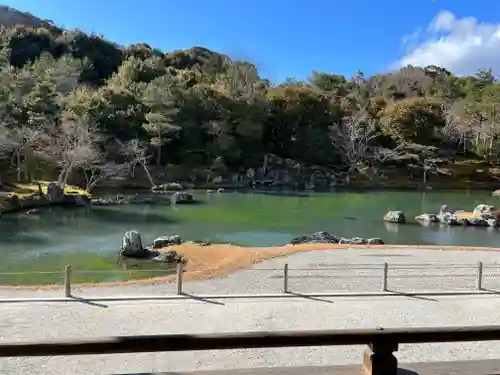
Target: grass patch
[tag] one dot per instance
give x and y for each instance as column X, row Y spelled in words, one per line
column 26, row 189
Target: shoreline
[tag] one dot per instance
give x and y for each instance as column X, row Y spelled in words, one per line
column 221, row 260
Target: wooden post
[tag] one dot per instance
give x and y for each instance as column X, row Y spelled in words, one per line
column 285, row 278
column 386, row 271
column 180, row 270
column 379, row 359
column 480, row 276
column 67, row 281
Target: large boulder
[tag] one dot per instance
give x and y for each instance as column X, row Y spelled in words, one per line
column 165, row 241
column 180, row 197
column 54, row 193
column 132, row 245
column 496, row 193
column 318, row 237
column 395, row 217
column 482, row 209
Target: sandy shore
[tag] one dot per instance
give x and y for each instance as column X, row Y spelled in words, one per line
column 217, row 260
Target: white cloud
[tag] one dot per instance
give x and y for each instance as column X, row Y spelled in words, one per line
column 461, row 45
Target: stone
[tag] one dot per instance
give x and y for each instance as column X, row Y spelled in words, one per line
column 463, row 221
column 375, row 241
column 54, row 193
column 165, row 241
column 478, row 222
column 168, row 257
column 132, row 245
column 180, row 197
column 430, row 218
column 317, row 237
column 492, row 222
column 353, row 241
column 444, row 209
column 395, row 217
column 358, row 241
column 482, row 209
column 496, row 193
column 449, row 219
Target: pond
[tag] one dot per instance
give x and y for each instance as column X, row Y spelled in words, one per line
column 89, row 239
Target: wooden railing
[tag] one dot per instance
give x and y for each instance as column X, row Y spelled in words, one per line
column 379, row 358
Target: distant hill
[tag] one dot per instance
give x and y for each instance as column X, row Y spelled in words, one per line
column 10, row 17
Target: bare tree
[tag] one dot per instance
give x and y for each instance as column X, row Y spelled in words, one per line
column 352, row 137
column 72, row 146
column 99, row 171
column 381, row 155
column 136, row 154
column 18, row 143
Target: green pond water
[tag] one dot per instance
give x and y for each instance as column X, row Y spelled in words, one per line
column 89, row 239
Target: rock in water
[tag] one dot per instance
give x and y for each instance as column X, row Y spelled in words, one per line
column 492, row 222
column 54, row 193
column 478, row 222
column 449, row 219
column 429, row 218
column 395, row 217
column 132, row 245
column 181, row 197
column 318, row 237
column 482, row 209
column 445, row 209
column 496, row 193
column 165, row 241
column 375, row 241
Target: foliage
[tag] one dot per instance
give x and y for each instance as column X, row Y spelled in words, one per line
column 67, row 98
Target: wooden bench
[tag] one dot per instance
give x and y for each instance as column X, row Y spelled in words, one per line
column 378, row 359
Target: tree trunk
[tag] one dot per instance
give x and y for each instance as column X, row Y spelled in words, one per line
column 150, row 178
column 158, row 155
column 18, row 157
column 264, row 166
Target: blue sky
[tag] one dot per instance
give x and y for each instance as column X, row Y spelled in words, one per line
column 292, row 38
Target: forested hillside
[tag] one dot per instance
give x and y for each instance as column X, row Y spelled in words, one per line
column 73, row 102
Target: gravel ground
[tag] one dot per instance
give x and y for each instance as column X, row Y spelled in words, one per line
column 335, row 271
column 78, row 320
column 35, row 321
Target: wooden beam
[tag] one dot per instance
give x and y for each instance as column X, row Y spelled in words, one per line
column 189, row 342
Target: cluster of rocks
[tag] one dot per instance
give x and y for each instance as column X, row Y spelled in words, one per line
column 178, row 197
column 168, row 186
column 483, row 215
column 121, row 199
column 132, row 248
column 324, row 237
